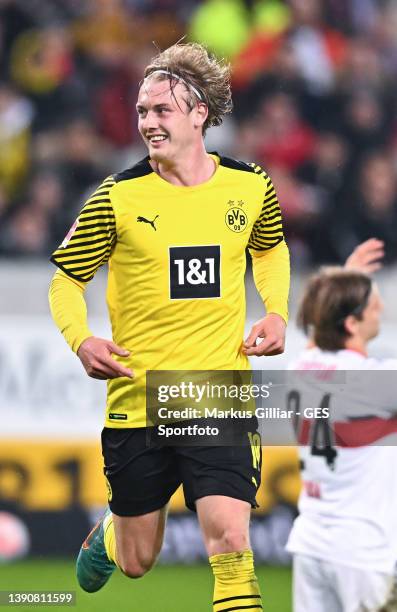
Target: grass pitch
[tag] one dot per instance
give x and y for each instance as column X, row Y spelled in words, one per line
column 165, row 589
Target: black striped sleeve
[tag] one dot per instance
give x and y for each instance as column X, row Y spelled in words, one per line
column 268, row 229
column 90, row 240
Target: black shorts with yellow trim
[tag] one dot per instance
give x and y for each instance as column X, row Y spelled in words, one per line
column 143, row 471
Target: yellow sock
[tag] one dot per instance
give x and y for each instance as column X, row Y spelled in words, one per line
column 110, row 538
column 236, row 586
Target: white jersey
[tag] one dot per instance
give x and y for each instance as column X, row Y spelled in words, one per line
column 348, row 502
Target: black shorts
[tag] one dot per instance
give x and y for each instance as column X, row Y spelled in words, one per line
column 142, row 478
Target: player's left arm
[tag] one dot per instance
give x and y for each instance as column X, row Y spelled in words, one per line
column 271, row 269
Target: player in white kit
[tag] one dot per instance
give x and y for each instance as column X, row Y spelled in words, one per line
column 344, row 541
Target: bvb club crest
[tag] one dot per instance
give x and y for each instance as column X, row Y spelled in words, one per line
column 235, row 217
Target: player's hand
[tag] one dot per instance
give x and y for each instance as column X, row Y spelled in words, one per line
column 366, row 256
column 271, row 331
column 96, row 356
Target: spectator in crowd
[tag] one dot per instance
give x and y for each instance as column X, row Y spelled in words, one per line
column 14, row 19
column 38, row 220
column 115, row 110
column 326, row 168
column 85, row 158
column 107, row 33
column 16, row 115
column 43, row 66
column 208, row 26
column 283, row 76
column 366, row 125
column 285, row 139
column 371, row 207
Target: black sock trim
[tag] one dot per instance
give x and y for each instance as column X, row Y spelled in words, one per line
column 257, row 607
column 218, row 601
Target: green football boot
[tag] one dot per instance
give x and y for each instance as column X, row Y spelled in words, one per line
column 93, row 566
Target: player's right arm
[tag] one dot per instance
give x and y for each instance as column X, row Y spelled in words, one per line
column 86, row 247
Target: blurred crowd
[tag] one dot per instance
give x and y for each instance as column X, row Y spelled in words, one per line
column 315, row 88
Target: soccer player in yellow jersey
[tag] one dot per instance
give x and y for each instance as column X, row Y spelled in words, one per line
column 174, row 230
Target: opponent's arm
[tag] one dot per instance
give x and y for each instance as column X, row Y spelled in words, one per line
column 367, row 256
column 271, row 270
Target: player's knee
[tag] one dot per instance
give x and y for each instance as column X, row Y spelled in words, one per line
column 230, row 540
column 137, row 568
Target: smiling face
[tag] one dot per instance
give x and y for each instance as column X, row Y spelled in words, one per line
column 166, row 121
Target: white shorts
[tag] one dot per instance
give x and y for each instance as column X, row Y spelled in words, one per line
column 323, row 586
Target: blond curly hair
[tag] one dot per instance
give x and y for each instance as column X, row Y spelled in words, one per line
column 204, row 76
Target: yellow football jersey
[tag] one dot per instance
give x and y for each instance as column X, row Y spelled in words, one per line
column 176, row 256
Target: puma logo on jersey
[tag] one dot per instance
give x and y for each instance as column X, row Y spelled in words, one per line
column 144, row 220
